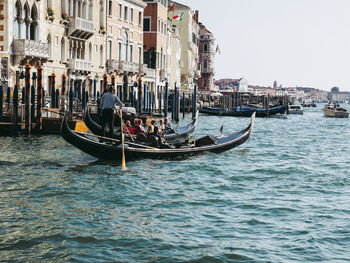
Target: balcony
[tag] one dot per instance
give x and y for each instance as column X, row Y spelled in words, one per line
column 112, row 65
column 128, row 67
column 80, row 28
column 207, row 38
column 147, row 72
column 208, row 70
column 80, row 65
column 30, row 48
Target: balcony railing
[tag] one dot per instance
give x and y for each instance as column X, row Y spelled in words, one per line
column 208, row 70
column 80, row 64
column 30, row 48
column 112, row 65
column 80, row 28
column 149, row 72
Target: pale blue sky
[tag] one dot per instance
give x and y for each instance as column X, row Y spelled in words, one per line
column 295, row 42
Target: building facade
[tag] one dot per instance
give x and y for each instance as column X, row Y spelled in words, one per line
column 125, row 47
column 206, row 58
column 155, row 47
column 189, row 34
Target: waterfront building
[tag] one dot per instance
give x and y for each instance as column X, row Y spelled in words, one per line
column 23, row 38
column 75, row 34
column 174, row 57
column 156, row 48
column 125, row 48
column 187, row 23
column 206, row 60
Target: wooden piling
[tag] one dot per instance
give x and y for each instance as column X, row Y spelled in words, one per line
column 177, row 108
column 27, row 100
column 32, row 103
column 71, row 103
column 183, row 105
column 15, row 108
column 8, row 98
column 39, row 118
column 166, row 97
column 105, row 83
column 1, row 102
column 194, row 106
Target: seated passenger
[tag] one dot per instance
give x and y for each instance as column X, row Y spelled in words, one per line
column 139, row 128
column 129, row 127
column 168, row 126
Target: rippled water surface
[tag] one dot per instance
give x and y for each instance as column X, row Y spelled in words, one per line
column 284, row 196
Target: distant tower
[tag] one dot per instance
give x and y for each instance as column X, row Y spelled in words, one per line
column 275, row 84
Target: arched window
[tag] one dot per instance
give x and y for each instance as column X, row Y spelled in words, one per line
column 34, row 23
column 91, row 10
column 50, row 45
column 27, row 20
column 18, row 20
column 205, row 63
column 125, row 43
column 90, row 52
column 102, row 13
column 161, row 58
column 101, row 56
column 63, row 50
column 49, row 4
column 205, row 47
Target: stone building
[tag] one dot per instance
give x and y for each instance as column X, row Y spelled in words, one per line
column 155, row 45
column 207, row 55
column 125, row 47
column 189, row 34
column 75, row 34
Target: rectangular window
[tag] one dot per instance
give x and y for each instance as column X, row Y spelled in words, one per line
column 126, row 13
column 140, row 18
column 131, row 53
column 119, row 51
column 146, row 24
column 110, row 7
column 140, row 55
column 110, row 49
column 131, row 15
column 120, row 11
column 158, row 26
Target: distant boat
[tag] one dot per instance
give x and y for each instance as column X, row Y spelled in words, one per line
column 244, row 111
column 333, row 110
column 295, row 109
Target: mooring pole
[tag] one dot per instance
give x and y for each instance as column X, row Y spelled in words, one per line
column 95, row 83
column 15, row 108
column 71, row 103
column 104, row 83
column 166, row 99
column 83, row 98
column 173, row 105
column 8, row 98
column 194, row 106
column 32, row 110
column 27, row 101
column 1, row 101
column 183, row 105
column 53, row 92
column 63, row 92
column 177, row 108
column 39, row 105
column 113, row 83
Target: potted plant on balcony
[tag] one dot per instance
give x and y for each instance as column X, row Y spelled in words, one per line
column 102, row 30
column 64, row 18
column 50, row 14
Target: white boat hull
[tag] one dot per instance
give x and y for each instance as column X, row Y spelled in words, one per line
column 335, row 114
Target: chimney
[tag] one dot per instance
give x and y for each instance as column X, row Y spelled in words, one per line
column 196, row 16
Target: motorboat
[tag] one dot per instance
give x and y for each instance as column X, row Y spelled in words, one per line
column 295, row 109
column 335, row 111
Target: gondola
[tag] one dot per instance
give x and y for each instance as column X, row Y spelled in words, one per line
column 180, row 134
column 134, row 151
column 244, row 111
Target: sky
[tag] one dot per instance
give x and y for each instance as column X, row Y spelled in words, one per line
column 304, row 43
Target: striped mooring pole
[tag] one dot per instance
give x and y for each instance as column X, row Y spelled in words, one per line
column 27, row 99
column 39, row 103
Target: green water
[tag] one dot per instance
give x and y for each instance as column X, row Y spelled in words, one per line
column 283, row 196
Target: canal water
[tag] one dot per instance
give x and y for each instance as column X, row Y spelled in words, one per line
column 283, row 196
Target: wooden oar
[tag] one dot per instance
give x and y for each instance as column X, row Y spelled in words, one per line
column 115, row 140
column 122, row 121
column 122, row 134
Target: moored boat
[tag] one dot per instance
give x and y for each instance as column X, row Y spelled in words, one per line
column 135, row 150
column 244, row 111
column 295, row 109
column 335, row 111
column 180, row 134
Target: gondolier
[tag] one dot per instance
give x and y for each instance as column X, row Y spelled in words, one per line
column 108, row 101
